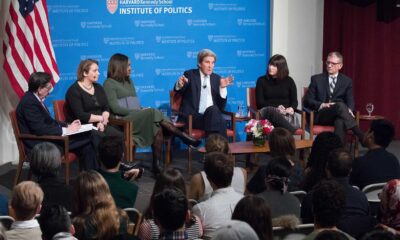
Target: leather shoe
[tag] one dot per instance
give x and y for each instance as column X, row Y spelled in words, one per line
column 188, row 140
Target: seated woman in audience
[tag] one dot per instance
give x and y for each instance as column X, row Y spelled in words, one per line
column 200, row 188
column 323, row 144
column 256, row 212
column 276, row 95
column 96, row 215
column 390, row 207
column 87, row 101
column 285, row 207
column 281, row 144
column 148, row 123
column 45, row 164
column 168, row 178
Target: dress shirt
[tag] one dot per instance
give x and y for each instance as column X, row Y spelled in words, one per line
column 217, row 210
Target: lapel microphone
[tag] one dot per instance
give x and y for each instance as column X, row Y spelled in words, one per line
column 205, row 82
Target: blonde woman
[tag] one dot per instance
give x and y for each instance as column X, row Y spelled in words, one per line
column 97, row 216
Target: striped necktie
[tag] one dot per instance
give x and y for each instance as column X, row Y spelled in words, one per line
column 332, row 85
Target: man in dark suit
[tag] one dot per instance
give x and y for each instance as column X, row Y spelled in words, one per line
column 34, row 118
column 330, row 94
column 204, row 94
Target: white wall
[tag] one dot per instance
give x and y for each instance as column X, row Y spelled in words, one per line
column 297, row 34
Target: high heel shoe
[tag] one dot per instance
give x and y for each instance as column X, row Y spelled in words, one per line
column 188, row 140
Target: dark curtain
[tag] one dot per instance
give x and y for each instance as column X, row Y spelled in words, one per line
column 371, row 52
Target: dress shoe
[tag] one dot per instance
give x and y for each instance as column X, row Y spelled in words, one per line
column 188, row 140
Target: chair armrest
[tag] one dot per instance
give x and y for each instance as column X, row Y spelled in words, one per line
column 254, row 113
column 120, row 122
column 64, row 139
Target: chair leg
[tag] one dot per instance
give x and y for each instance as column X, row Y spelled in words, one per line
column 168, row 152
column 67, row 172
column 18, row 173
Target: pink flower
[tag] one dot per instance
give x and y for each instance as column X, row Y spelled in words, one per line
column 258, row 127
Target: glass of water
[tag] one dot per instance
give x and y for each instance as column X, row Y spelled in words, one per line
column 174, row 117
column 370, row 108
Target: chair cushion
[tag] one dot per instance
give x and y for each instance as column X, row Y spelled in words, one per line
column 299, row 131
column 230, row 133
column 317, row 129
column 198, row 134
column 71, row 157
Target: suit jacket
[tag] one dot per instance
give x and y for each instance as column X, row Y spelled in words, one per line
column 191, row 92
column 33, row 118
column 318, row 91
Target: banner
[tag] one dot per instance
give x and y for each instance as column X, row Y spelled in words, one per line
column 162, row 39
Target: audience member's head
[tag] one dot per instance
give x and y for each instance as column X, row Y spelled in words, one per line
column 219, row 169
column 381, row 133
column 111, row 151
column 323, row 144
column 38, row 81
column 339, row 163
column 170, row 177
column 26, row 201
column 379, row 234
column 119, row 68
column 390, row 204
column 331, row 235
column 277, row 174
column 170, row 209
column 328, row 200
column 216, row 143
column 281, row 143
column 256, row 212
column 235, row 230
column 45, row 160
column 54, row 219
column 96, row 204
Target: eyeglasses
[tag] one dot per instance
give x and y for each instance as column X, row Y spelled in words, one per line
column 48, row 87
column 332, row 63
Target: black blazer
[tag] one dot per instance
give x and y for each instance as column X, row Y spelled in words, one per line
column 191, row 92
column 33, row 118
column 318, row 91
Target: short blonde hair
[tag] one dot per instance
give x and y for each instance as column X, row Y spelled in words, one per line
column 26, row 198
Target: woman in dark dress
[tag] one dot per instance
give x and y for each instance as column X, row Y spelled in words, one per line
column 276, row 95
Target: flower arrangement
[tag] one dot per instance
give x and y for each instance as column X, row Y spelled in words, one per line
column 258, row 129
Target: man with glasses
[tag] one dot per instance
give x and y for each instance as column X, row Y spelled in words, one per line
column 34, row 118
column 330, row 95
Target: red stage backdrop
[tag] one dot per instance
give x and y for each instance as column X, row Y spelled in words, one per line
column 371, row 51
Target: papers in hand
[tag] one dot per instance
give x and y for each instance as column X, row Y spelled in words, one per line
column 84, row 128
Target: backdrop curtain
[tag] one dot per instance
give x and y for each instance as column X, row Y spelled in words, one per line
column 371, row 51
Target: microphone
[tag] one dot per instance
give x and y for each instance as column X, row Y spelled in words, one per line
column 204, row 85
column 205, row 82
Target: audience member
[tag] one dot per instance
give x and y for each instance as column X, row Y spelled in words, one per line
column 97, row 217
column 26, row 202
column 170, row 209
column 200, row 188
column 150, row 123
column 331, row 235
column 330, row 95
column 168, row 178
column 204, row 94
column 217, row 210
column 281, row 143
column 285, row 207
column 323, row 144
column 328, row 202
column 377, row 165
column 2, row 233
column 34, row 118
column 356, row 218
column 276, row 95
column 235, row 230
column 380, row 234
column 45, row 159
column 55, row 223
column 390, row 206
column 256, row 212
column 111, row 154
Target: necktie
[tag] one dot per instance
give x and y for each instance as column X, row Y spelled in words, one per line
column 44, row 106
column 332, row 85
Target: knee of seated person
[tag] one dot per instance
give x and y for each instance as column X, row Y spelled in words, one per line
column 341, row 105
column 213, row 108
column 268, row 110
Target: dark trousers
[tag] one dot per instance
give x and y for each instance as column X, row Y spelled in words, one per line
column 83, row 145
column 337, row 115
column 212, row 121
column 273, row 115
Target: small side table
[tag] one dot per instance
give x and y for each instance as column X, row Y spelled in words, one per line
column 371, row 118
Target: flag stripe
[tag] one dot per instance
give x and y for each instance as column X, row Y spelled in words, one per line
column 27, row 43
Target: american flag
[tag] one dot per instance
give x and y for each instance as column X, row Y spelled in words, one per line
column 27, row 45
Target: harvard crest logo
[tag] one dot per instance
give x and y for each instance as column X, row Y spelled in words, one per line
column 112, row 6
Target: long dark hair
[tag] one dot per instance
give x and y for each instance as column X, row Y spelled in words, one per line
column 117, row 68
column 280, row 63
